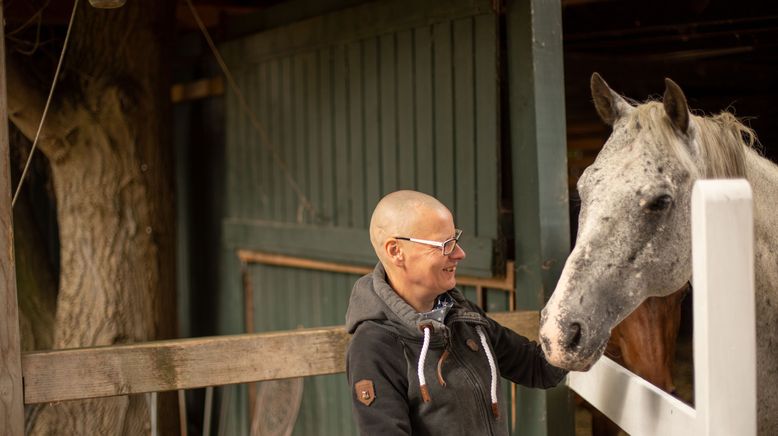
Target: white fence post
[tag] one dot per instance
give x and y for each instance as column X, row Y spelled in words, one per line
column 724, row 333
column 724, row 322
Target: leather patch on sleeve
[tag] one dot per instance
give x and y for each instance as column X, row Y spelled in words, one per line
column 365, row 391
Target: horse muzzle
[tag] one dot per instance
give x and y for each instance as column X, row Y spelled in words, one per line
column 571, row 344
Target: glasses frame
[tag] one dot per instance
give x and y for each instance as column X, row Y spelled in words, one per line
column 442, row 245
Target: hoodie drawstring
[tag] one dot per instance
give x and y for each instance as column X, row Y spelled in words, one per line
column 493, row 369
column 425, row 394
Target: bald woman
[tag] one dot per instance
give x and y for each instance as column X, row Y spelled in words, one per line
column 423, row 360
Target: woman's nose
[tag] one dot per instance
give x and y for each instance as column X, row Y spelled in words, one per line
column 458, row 253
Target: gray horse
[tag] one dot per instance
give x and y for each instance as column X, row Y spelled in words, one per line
column 634, row 236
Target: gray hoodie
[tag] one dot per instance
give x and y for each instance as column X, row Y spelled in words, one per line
column 436, row 373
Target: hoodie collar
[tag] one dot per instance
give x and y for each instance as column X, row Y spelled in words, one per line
column 374, row 299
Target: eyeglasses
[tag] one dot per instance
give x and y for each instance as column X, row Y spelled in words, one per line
column 446, row 247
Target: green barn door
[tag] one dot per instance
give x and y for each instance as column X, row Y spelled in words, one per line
column 355, row 104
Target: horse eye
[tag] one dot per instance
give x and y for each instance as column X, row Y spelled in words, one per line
column 659, row 204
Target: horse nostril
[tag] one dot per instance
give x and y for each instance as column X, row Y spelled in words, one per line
column 573, row 337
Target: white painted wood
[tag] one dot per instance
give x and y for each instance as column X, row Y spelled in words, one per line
column 636, row 405
column 724, row 333
column 724, row 319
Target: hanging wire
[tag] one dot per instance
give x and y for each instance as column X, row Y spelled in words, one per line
column 252, row 116
column 46, row 107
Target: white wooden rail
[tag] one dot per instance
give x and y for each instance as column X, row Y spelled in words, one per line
column 724, row 333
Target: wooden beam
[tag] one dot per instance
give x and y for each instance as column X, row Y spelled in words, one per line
column 61, row 375
column 203, row 88
column 11, row 406
column 540, row 209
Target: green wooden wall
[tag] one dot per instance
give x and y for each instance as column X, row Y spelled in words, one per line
column 357, row 104
column 394, row 94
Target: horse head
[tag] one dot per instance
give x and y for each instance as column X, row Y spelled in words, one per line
column 634, row 236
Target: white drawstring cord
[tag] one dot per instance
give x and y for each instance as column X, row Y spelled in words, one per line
column 425, row 395
column 492, row 368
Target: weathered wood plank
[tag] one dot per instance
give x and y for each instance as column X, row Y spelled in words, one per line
column 63, row 375
column 197, row 89
column 11, row 406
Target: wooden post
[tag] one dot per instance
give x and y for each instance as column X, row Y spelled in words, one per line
column 11, row 402
column 723, row 265
column 536, row 111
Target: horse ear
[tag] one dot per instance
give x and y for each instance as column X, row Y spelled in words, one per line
column 676, row 107
column 610, row 105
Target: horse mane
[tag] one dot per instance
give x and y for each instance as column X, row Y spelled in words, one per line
column 722, row 139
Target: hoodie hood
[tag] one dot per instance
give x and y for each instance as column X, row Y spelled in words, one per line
column 372, row 299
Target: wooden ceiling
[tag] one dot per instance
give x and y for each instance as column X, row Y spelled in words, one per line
column 722, row 52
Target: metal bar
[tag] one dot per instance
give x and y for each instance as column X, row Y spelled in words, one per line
column 182, row 423
column 248, row 256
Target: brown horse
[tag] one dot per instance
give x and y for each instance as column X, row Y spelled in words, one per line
column 645, row 344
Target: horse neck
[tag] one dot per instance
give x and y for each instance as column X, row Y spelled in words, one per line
column 763, row 177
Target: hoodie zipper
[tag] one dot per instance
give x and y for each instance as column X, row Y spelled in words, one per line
column 472, row 377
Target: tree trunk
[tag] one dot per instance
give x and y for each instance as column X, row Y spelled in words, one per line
column 107, row 139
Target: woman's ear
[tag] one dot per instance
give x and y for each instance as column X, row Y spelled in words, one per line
column 394, row 252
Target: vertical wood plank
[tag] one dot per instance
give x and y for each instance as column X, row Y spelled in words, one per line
column 356, row 137
column 464, row 125
column 243, row 164
column 326, row 119
column 425, row 152
column 342, row 161
column 444, row 114
column 372, row 127
column 313, row 128
column 406, row 165
column 487, row 126
column 388, row 120
column 231, row 146
column 274, row 130
column 287, row 141
column 299, row 125
column 254, row 149
column 265, row 157
column 539, row 167
column 11, row 394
